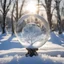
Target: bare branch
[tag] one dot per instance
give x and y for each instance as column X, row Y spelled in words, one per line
column 1, row 11
column 43, row 5
column 13, row 11
column 21, row 8
column 13, row 7
column 14, row 17
column 1, row 3
column 9, row 4
column 23, row 13
column 58, row 1
column 7, row 8
column 53, row 9
column 46, row 1
column 17, row 10
column 7, row 11
column 4, row 5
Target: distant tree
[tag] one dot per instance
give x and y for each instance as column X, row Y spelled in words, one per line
column 38, row 7
column 47, row 7
column 21, row 8
column 58, row 15
column 16, row 10
column 49, row 12
column 62, row 11
column 19, row 14
column 12, row 16
column 4, row 11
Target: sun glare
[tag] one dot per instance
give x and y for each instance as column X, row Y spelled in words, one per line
column 31, row 7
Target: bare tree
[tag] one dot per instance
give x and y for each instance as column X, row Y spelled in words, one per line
column 19, row 14
column 48, row 7
column 49, row 12
column 12, row 21
column 16, row 10
column 21, row 8
column 38, row 7
column 5, row 9
column 58, row 15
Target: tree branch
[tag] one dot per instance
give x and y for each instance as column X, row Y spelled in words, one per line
column 9, row 4
column 21, row 8
column 7, row 8
column 43, row 5
column 1, row 3
column 1, row 11
column 53, row 9
column 46, row 1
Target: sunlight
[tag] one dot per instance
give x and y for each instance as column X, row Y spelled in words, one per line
column 31, row 7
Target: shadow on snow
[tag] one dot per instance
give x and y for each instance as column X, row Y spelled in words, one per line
column 8, row 44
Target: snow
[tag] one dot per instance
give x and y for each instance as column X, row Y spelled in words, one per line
column 12, row 52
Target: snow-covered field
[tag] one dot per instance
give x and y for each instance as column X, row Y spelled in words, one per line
column 12, row 52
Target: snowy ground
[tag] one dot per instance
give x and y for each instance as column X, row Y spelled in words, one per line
column 11, row 52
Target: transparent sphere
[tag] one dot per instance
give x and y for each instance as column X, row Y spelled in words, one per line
column 32, row 31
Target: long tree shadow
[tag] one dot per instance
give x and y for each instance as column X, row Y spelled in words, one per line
column 8, row 44
column 57, row 39
column 32, row 60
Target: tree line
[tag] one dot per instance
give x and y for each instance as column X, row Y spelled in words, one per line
column 16, row 12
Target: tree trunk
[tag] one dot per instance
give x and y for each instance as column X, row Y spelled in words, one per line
column 3, row 25
column 16, row 10
column 48, row 11
column 49, row 17
column 38, row 8
column 4, row 17
column 21, row 8
column 12, row 23
column 59, row 17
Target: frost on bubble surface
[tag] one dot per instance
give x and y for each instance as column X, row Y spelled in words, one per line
column 31, row 34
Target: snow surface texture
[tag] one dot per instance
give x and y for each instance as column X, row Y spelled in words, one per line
column 12, row 52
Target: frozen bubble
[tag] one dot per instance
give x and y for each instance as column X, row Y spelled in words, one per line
column 32, row 31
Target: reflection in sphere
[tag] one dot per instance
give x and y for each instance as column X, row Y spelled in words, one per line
column 32, row 31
